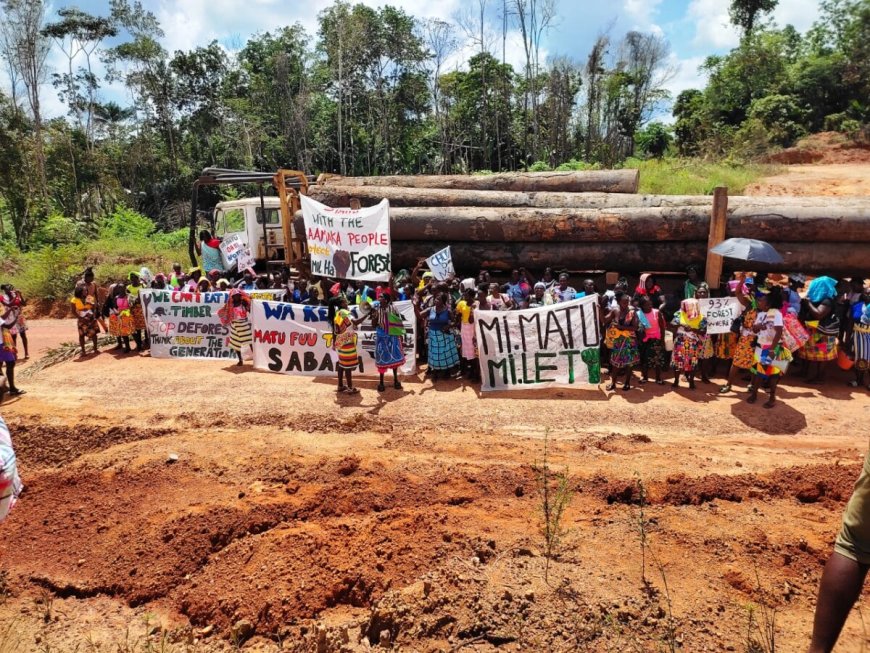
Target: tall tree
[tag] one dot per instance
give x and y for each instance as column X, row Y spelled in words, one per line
column 745, row 13
column 26, row 53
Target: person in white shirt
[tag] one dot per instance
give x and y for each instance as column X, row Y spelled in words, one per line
column 771, row 358
column 564, row 292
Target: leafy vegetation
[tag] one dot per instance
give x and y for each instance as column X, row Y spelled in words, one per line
column 779, row 85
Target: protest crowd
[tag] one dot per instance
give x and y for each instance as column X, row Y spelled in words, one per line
column 784, row 320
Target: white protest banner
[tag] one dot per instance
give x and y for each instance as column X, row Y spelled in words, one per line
column 348, row 243
column 720, row 313
column 245, row 261
column 231, row 247
column 441, row 264
column 540, row 347
column 186, row 324
column 297, row 339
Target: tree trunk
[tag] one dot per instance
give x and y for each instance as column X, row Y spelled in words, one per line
column 837, row 258
column 678, row 223
column 338, row 195
column 608, row 181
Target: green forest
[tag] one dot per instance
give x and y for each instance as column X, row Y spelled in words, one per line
column 374, row 92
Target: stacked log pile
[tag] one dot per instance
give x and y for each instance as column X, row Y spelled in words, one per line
column 594, row 220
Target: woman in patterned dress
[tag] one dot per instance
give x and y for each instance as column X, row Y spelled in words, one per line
column 622, row 334
column 235, row 314
column 823, row 325
column 744, row 351
column 83, row 305
column 705, row 356
column 13, row 299
column 688, row 341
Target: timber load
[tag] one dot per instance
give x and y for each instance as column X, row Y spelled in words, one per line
column 520, row 219
column 605, row 181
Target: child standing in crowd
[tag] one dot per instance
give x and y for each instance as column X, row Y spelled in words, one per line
column 236, row 315
column 120, row 320
column 344, row 342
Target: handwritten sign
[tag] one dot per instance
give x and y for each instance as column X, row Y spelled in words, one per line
column 441, row 264
column 348, row 243
column 540, row 347
column 720, row 313
column 297, row 339
column 186, row 324
column 232, row 246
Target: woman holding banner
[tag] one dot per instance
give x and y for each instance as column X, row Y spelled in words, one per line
column 140, row 334
column 771, row 358
column 389, row 331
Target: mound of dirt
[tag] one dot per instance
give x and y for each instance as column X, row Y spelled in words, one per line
column 806, row 484
column 824, row 147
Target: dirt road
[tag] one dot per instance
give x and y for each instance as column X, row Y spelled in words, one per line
column 843, row 179
column 411, row 519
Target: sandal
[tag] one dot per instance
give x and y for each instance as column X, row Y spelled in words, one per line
column 642, row 381
column 612, row 386
column 341, row 388
column 352, row 391
column 725, row 389
column 852, row 384
column 626, row 388
column 15, row 392
column 659, row 382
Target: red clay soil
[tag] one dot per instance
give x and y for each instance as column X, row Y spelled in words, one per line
column 411, row 520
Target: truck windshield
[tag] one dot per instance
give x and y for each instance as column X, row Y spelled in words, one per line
column 230, row 221
column 273, row 216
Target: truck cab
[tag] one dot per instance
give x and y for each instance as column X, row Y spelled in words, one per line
column 263, row 236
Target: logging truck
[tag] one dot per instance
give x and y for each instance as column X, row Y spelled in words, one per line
column 262, row 224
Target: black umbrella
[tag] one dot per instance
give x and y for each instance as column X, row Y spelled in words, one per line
column 748, row 249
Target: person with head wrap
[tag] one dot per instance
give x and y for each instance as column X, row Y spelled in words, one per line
column 743, row 354
column 823, row 325
column 622, row 340
column 771, row 358
column 540, row 297
column 688, row 341
column 648, row 286
column 344, row 341
column 389, row 337
column 693, row 280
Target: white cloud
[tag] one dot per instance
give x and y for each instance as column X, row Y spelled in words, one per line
column 801, row 14
column 713, row 28
column 641, row 12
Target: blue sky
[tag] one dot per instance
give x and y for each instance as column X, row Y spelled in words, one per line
column 694, row 28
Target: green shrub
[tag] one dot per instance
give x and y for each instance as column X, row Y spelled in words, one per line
column 680, row 176
column 654, row 139
column 540, row 166
column 59, row 230
column 575, row 164
column 126, row 223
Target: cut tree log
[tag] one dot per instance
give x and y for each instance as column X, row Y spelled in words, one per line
column 830, row 258
column 683, row 223
column 340, row 196
column 607, row 181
